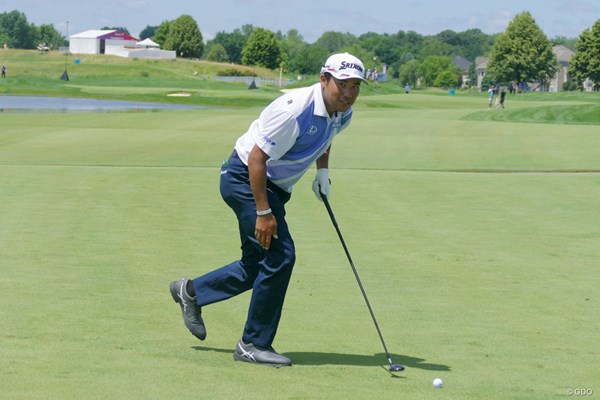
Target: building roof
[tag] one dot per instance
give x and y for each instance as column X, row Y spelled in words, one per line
column 461, row 63
column 481, row 62
column 104, row 34
column 92, row 34
column 563, row 54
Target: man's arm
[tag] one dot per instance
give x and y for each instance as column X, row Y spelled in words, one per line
column 323, row 161
column 266, row 225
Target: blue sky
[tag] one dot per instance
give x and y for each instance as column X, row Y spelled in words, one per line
column 311, row 18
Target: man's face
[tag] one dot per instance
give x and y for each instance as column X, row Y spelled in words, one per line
column 339, row 95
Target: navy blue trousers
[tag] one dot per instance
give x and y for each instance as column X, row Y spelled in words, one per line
column 267, row 273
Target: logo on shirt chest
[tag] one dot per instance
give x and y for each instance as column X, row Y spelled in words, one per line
column 334, row 126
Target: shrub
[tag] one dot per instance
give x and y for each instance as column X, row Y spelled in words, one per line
column 235, row 72
column 569, row 86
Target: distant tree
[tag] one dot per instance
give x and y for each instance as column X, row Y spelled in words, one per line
column 450, row 38
column 17, row 32
column 162, row 33
column 406, row 57
column 117, row 28
column 148, row 32
column 185, row 37
column 433, row 46
column 247, row 29
column 381, row 46
column 291, row 44
column 474, row 43
column 406, row 46
column 570, row 43
column 217, row 53
column 262, row 49
column 522, row 53
column 409, row 73
column 309, row 59
column 333, row 42
column 49, row 35
column 446, row 78
column 586, row 61
column 4, row 39
column 233, row 43
column 487, row 81
column 435, row 66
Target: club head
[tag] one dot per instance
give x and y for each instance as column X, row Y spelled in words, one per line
column 396, row 367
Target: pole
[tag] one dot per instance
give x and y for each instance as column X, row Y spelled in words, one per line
column 68, row 46
column 280, row 76
column 65, row 75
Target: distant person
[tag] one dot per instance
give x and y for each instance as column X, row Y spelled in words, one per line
column 4, row 71
column 502, row 98
column 292, row 134
column 491, row 93
column 407, row 88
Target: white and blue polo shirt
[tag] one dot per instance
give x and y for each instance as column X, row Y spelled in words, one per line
column 294, row 130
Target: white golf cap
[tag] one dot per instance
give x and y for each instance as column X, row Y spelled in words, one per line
column 344, row 66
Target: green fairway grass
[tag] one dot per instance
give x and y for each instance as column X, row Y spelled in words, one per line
column 475, row 232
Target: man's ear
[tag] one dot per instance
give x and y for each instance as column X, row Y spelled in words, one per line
column 323, row 80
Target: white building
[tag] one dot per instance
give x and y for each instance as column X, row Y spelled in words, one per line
column 563, row 56
column 98, row 41
column 116, row 43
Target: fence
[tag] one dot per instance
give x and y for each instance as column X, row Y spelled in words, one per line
column 248, row 80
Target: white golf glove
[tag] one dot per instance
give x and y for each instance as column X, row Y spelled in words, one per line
column 322, row 184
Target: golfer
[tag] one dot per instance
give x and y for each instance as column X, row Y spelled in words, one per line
column 292, row 133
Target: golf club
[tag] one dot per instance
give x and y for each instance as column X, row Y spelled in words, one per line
column 393, row 367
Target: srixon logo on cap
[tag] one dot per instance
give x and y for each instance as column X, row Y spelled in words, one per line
column 345, row 65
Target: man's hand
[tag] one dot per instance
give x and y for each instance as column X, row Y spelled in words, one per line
column 266, row 228
column 321, row 184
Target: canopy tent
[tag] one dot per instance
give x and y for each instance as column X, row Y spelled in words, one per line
column 147, row 43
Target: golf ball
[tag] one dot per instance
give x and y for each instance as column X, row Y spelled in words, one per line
column 438, row 383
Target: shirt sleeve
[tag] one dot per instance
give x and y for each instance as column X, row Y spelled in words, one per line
column 276, row 132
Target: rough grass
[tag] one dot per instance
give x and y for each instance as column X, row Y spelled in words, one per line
column 109, row 77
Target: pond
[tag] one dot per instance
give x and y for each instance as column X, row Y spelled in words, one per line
column 24, row 104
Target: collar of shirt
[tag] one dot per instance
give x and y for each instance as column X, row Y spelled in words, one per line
column 320, row 108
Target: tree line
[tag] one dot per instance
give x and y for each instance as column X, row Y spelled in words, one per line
column 408, row 56
column 522, row 53
column 16, row 32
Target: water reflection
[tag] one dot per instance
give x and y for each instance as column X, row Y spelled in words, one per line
column 35, row 104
